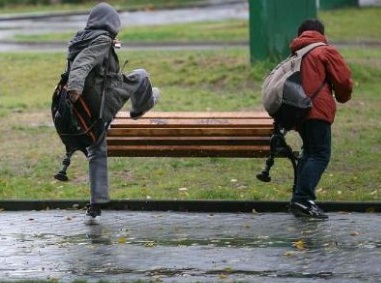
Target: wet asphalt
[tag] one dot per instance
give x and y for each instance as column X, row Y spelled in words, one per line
column 159, row 246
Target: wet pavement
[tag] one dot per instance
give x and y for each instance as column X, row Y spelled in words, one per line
column 189, row 247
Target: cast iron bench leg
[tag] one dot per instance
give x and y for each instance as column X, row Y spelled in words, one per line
column 278, row 146
column 61, row 175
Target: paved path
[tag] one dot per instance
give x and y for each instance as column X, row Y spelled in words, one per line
column 189, row 247
column 42, row 23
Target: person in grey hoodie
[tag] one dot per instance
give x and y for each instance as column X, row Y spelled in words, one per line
column 92, row 59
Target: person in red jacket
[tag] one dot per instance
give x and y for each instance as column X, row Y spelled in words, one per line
column 323, row 65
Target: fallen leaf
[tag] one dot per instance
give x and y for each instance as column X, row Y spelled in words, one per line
column 299, row 245
column 290, row 253
column 122, row 240
column 150, row 245
column 223, row 276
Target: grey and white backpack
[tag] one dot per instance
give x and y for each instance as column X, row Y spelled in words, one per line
column 283, row 96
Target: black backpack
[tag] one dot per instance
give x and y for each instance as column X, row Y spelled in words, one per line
column 75, row 124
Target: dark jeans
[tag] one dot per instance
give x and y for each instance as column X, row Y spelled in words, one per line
column 98, row 171
column 316, row 137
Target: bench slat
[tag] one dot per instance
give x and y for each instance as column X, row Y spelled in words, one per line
column 192, row 123
column 196, row 140
column 189, row 151
column 143, row 132
column 208, row 115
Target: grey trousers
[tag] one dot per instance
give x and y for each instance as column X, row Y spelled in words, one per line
column 98, row 171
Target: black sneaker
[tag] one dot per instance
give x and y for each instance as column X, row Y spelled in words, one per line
column 307, row 209
column 92, row 212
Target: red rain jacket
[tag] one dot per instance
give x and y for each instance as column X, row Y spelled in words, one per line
column 323, row 63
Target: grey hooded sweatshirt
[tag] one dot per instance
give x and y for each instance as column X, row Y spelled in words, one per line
column 91, row 52
column 93, row 59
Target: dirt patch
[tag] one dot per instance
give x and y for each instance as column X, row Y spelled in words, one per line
column 30, row 119
column 371, row 62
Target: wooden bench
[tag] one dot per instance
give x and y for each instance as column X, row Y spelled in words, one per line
column 196, row 134
column 191, row 134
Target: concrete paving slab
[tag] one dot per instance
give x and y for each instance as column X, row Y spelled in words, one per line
column 189, row 247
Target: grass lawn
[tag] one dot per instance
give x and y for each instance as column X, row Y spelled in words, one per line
column 31, row 151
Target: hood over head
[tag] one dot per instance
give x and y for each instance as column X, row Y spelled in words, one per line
column 104, row 17
column 306, row 38
column 103, row 20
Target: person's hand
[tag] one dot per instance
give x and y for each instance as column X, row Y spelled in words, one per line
column 74, row 96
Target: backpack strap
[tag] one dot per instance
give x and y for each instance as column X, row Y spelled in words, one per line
column 101, row 108
column 307, row 49
column 106, row 64
column 303, row 52
column 312, row 97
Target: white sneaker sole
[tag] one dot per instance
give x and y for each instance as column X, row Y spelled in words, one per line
column 89, row 220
